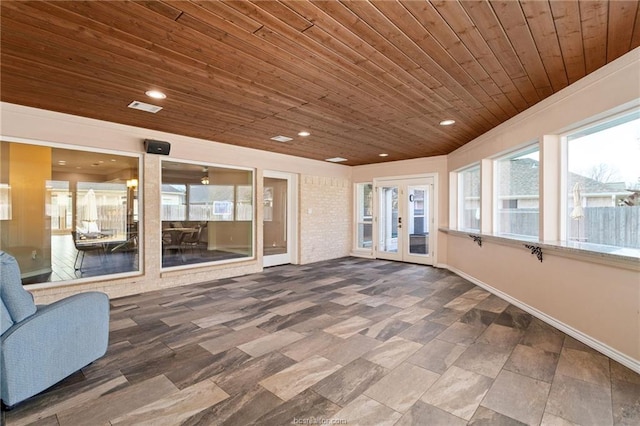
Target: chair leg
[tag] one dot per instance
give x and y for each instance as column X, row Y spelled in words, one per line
column 81, row 260
column 76, row 261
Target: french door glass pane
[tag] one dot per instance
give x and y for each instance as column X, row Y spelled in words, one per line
column 365, row 215
column 275, row 216
column 418, row 219
column 389, row 219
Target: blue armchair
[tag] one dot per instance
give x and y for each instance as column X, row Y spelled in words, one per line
column 41, row 345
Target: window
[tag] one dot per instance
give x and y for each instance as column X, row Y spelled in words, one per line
column 364, row 203
column 517, row 178
column 469, row 201
column 68, row 214
column 207, row 213
column 602, row 200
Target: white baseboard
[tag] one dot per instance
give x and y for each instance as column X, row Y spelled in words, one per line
column 623, row 359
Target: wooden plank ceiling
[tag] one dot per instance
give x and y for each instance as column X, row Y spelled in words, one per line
column 364, row 77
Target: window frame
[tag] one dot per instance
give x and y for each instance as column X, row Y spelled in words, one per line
column 253, row 220
column 522, row 150
column 563, row 160
column 460, row 197
column 360, row 219
column 139, row 157
column 552, row 192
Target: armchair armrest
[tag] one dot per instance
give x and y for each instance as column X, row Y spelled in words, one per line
column 56, row 341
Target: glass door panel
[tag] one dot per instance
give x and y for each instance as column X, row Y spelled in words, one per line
column 419, row 220
column 404, row 220
column 278, row 220
column 275, row 216
column 390, row 239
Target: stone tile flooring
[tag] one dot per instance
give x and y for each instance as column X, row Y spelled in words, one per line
column 360, row 341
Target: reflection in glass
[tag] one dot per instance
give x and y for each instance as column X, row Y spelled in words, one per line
column 469, row 203
column 275, row 216
column 602, row 198
column 73, row 214
column 518, row 194
column 389, row 219
column 207, row 213
column 418, row 219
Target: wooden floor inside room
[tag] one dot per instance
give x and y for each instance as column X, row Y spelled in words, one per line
column 358, row 341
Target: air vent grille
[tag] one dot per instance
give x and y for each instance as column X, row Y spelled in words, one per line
column 144, row 107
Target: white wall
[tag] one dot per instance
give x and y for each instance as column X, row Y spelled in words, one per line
column 24, row 123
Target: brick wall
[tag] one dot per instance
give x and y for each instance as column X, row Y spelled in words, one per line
column 325, row 218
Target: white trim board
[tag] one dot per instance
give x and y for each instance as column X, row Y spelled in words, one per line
column 623, row 359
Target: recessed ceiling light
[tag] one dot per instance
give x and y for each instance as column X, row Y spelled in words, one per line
column 303, row 133
column 62, row 162
column 155, row 94
column 447, row 122
column 281, row 139
column 336, row 159
column 383, row 155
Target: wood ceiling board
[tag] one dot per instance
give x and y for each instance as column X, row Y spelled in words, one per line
column 566, row 15
column 457, row 62
column 622, row 16
column 363, row 77
column 462, row 27
column 594, row 33
column 412, row 79
column 542, row 27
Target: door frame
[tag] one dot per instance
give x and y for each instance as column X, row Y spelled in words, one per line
column 292, row 220
column 433, row 208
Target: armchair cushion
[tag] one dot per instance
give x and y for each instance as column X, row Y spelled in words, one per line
column 18, row 302
column 5, row 319
column 58, row 340
column 49, row 342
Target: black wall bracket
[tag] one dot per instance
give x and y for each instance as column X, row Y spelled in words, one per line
column 476, row 239
column 535, row 250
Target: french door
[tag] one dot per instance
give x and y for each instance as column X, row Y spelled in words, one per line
column 278, row 230
column 405, row 220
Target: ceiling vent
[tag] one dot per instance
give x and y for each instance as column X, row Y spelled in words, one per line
column 281, row 139
column 336, row 159
column 144, row 107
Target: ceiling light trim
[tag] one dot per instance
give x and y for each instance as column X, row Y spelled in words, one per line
column 155, row 94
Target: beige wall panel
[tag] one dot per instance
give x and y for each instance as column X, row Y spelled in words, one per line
column 597, row 300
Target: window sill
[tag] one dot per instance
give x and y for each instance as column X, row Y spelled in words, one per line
column 620, row 257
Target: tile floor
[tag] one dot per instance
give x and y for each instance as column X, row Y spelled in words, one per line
column 363, row 342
